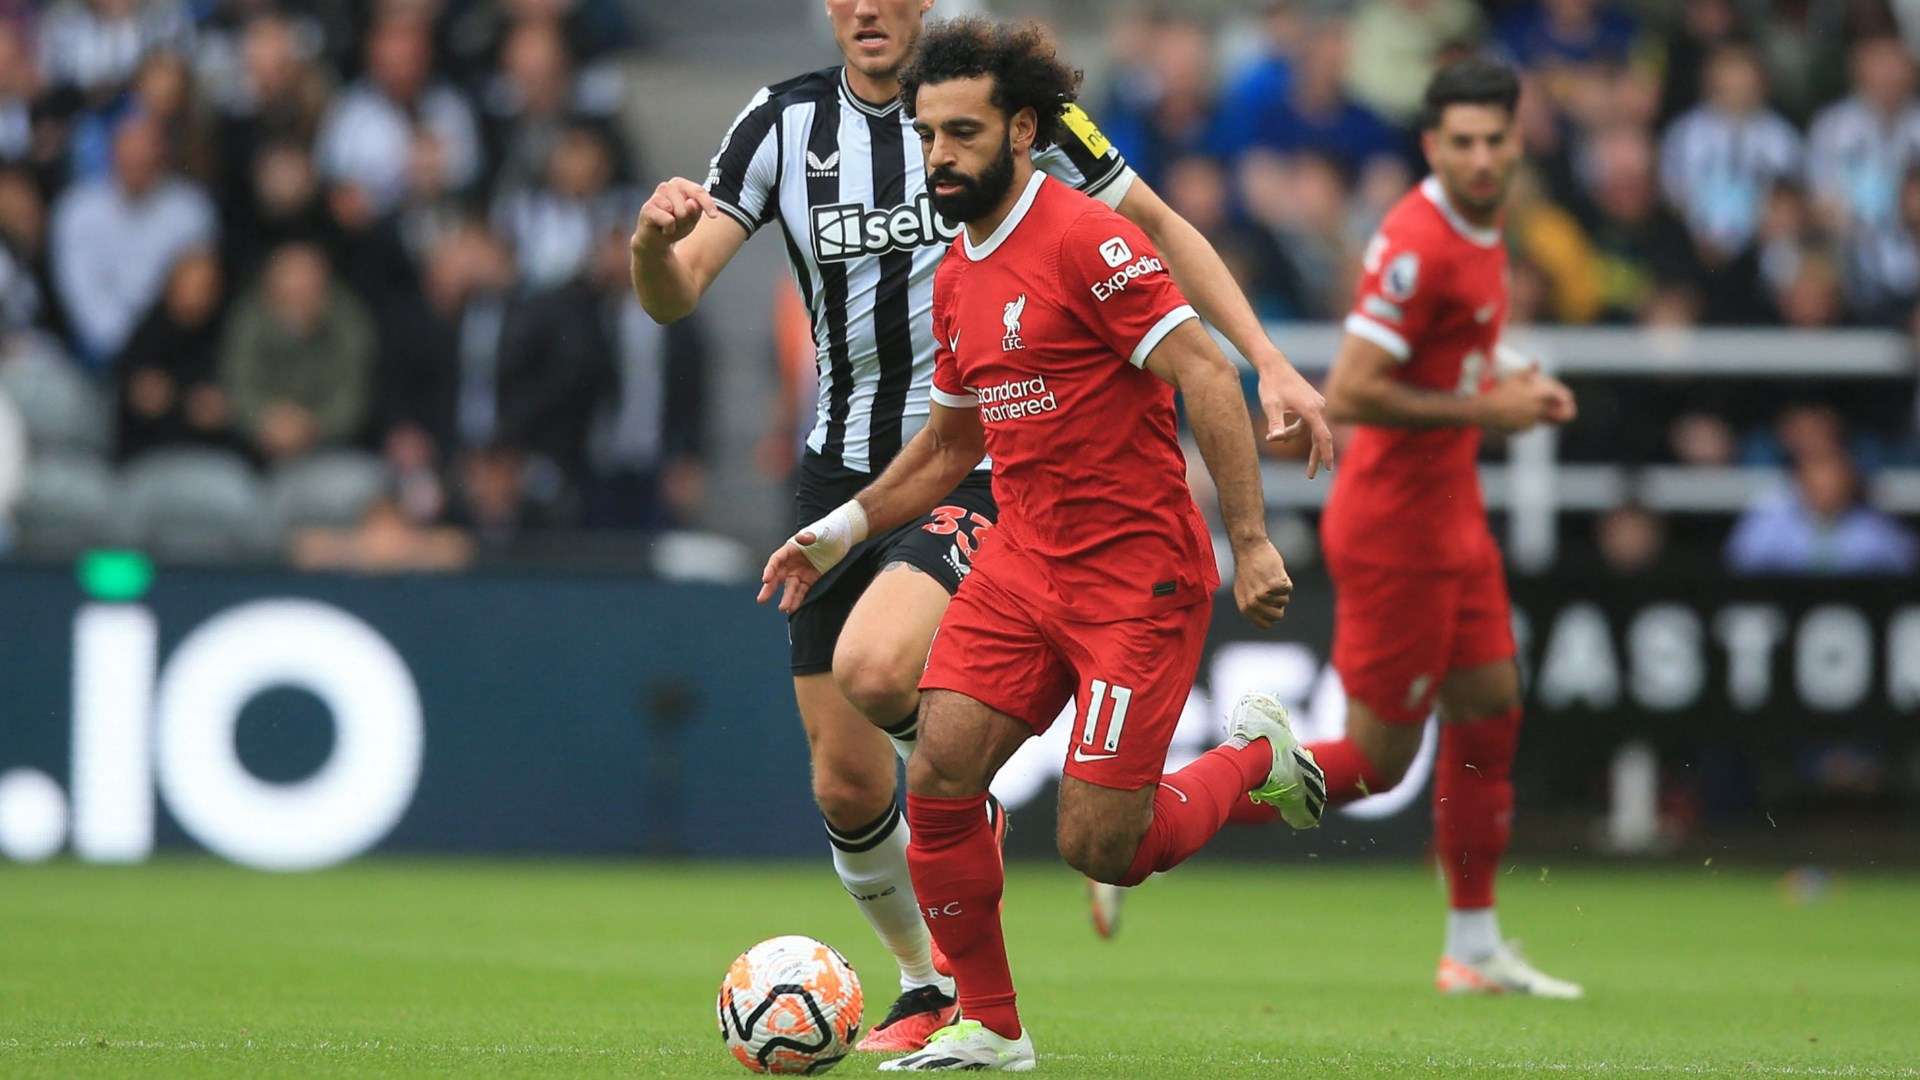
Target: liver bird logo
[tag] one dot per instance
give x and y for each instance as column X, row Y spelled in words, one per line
column 1010, row 316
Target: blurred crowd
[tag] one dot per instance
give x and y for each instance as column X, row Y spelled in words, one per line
column 1694, row 163
column 360, row 265
column 346, row 280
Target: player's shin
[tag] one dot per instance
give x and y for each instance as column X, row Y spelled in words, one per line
column 1194, row 803
column 958, row 877
column 872, row 864
column 1350, row 775
column 1472, row 820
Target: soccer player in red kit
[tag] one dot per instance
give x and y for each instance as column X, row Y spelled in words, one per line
column 1421, row 616
column 1061, row 340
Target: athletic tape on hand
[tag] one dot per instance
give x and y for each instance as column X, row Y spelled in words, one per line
column 834, row 535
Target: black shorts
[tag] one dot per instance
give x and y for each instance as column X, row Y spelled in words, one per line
column 940, row 545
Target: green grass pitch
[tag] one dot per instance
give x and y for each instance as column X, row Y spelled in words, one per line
column 455, row 968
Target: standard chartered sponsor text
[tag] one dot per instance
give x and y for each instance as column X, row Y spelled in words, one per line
column 1015, row 399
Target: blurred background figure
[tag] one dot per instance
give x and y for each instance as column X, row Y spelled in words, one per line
column 297, row 360
column 399, row 119
column 1819, row 525
column 115, row 238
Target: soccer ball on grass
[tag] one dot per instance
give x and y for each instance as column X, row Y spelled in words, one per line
column 790, row 1005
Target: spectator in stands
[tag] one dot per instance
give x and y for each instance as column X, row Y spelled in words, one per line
column 1819, row 525
column 162, row 91
column 649, row 432
column 115, row 238
column 1166, row 111
column 285, row 197
column 1197, row 188
column 530, row 102
column 19, row 86
column 1397, row 44
column 1249, row 91
column 1721, row 159
column 93, row 46
column 557, row 227
column 26, row 291
column 399, row 119
column 555, row 369
column 297, row 359
column 1644, row 264
column 1301, row 202
column 278, row 99
column 1858, row 157
column 1631, row 540
column 1703, row 26
column 1556, row 34
column 168, row 375
column 1318, row 117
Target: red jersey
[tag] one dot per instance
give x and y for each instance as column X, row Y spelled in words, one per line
column 1045, row 328
column 1434, row 295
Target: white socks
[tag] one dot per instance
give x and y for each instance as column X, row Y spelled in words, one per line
column 1472, row 935
column 872, row 864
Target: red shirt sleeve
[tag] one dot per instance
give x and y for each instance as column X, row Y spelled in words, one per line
column 1119, row 285
column 1398, row 294
column 947, row 388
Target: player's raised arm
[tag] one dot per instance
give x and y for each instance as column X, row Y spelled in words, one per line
column 1363, row 388
column 687, row 232
column 679, row 245
column 1206, row 281
column 921, row 475
column 1188, row 358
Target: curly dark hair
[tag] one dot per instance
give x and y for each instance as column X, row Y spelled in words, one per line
column 1021, row 57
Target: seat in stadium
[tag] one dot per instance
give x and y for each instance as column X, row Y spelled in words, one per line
column 62, row 407
column 66, row 504
column 194, row 505
column 331, row 488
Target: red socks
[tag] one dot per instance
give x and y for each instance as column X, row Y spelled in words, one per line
column 1192, row 804
column 1350, row 777
column 1473, row 804
column 958, row 877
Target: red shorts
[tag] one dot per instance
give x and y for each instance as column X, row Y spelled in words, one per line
column 1128, row 679
column 1397, row 633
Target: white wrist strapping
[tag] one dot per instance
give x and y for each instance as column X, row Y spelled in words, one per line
column 834, row 534
column 1508, row 360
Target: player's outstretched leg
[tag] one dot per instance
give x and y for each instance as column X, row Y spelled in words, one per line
column 959, row 877
column 1191, row 805
column 1472, row 820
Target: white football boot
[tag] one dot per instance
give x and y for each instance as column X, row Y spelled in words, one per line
column 1503, row 971
column 968, row 1046
column 1296, row 787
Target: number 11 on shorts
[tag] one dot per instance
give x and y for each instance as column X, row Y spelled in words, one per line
column 1096, row 703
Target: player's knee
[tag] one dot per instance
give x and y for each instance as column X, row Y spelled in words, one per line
column 1101, row 853
column 941, row 772
column 880, row 681
column 850, row 798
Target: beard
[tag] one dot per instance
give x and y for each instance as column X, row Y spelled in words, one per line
column 978, row 195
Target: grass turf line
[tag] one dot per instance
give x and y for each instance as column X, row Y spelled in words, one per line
column 189, row 968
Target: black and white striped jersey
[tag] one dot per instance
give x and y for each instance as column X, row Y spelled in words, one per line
column 846, row 181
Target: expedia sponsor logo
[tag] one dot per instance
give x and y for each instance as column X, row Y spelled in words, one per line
column 1015, row 399
column 1108, row 288
column 843, row 231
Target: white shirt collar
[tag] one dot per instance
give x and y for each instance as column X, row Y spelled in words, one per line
column 1437, row 195
column 865, row 106
column 1007, row 224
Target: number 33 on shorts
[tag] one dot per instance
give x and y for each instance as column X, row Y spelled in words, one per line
column 1091, row 747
